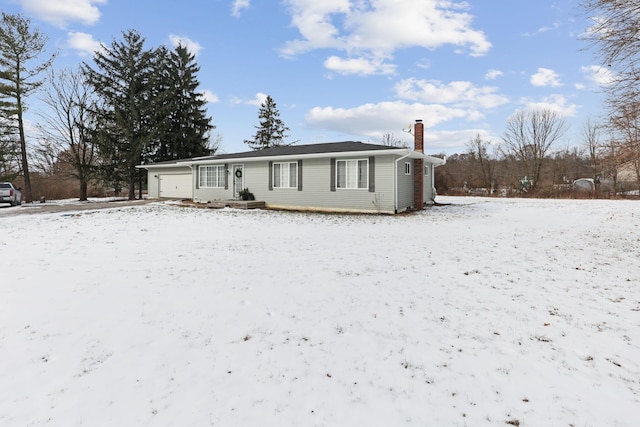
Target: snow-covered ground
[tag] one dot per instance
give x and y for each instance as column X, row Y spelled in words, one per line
column 482, row 312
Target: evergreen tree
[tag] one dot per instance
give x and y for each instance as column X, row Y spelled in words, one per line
column 122, row 79
column 19, row 45
column 184, row 127
column 9, row 152
column 271, row 132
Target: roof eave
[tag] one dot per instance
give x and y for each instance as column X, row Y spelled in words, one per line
column 402, row 152
column 165, row 165
column 364, row 153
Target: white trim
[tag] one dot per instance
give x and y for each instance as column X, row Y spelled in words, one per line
column 357, row 175
column 165, row 165
column 234, row 167
column 220, row 172
column 287, row 175
column 407, row 168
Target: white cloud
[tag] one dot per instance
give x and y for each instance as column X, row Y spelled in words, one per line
column 545, row 77
column 210, row 97
column 493, row 74
column 257, row 101
column 598, row 75
column 192, row 46
column 238, row 6
column 373, row 120
column 84, row 43
column 359, row 66
column 554, row 26
column 455, row 139
column 381, row 27
column 555, row 102
column 61, row 12
column 458, row 93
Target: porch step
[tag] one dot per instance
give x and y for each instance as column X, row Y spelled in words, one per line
column 237, row 204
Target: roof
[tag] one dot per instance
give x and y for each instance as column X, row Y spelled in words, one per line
column 295, row 150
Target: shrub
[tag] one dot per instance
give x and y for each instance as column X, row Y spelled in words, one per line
column 246, row 195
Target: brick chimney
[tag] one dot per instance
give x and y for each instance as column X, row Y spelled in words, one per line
column 418, row 136
column 418, row 166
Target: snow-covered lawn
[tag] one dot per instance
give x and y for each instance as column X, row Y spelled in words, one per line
column 482, row 312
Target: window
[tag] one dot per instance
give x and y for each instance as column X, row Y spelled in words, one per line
column 426, row 170
column 285, row 175
column 407, row 168
column 212, row 176
column 352, row 174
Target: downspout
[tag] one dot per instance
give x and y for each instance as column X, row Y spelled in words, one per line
column 395, row 181
column 434, row 190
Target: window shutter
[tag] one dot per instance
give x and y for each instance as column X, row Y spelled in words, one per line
column 333, row 174
column 198, row 177
column 226, row 176
column 270, row 176
column 299, row 175
column 372, row 174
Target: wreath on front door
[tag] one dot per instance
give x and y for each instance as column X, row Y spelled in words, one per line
column 238, row 173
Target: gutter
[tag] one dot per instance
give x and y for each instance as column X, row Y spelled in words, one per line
column 194, row 162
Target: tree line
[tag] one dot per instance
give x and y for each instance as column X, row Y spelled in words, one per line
column 130, row 105
column 527, row 161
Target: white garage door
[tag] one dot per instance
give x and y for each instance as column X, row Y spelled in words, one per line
column 176, row 186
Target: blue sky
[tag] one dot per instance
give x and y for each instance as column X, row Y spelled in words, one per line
column 356, row 69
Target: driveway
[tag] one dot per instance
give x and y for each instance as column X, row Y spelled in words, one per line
column 67, row 206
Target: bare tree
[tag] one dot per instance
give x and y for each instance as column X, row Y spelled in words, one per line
column 614, row 35
column 610, row 162
column 479, row 151
column 591, row 140
column 45, row 157
column 627, row 125
column 528, row 137
column 389, row 139
column 68, row 126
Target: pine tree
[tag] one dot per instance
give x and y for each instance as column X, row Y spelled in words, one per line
column 122, row 79
column 184, row 126
column 19, row 45
column 271, row 132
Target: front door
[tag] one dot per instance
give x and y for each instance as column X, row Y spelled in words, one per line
column 238, row 180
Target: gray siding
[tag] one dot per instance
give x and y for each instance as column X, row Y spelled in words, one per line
column 316, row 188
column 429, row 190
column 405, row 185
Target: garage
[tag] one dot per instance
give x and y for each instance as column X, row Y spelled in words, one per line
column 177, row 186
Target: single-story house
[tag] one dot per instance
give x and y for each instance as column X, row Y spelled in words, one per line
column 340, row 177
